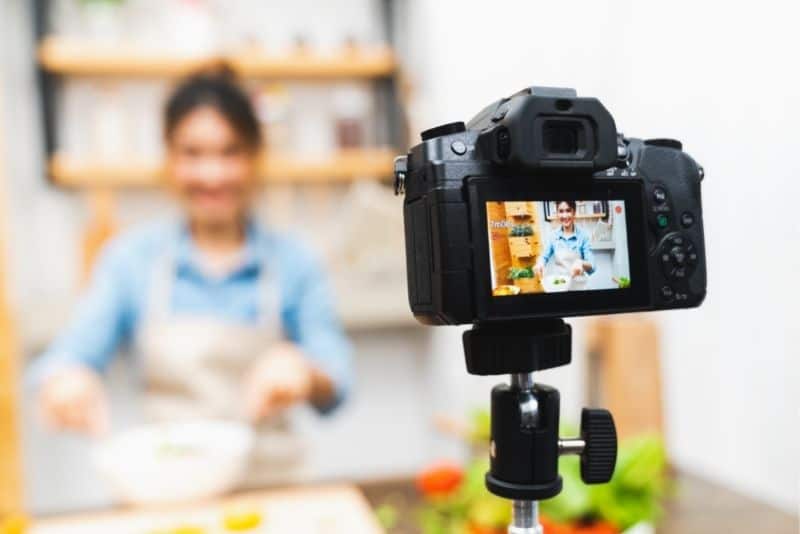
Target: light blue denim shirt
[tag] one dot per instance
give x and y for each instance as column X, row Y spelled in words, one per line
column 110, row 311
column 578, row 242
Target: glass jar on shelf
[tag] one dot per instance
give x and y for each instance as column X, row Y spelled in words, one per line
column 310, row 126
column 273, row 103
column 67, row 19
column 351, row 105
column 363, row 23
column 191, row 27
column 144, row 101
column 104, row 21
column 73, row 129
column 110, row 124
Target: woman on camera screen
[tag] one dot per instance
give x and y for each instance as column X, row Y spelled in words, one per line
column 569, row 249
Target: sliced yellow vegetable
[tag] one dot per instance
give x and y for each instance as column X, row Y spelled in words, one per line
column 188, row 529
column 241, row 520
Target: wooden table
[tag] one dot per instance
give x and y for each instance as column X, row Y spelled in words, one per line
column 338, row 509
column 704, row 507
column 698, row 508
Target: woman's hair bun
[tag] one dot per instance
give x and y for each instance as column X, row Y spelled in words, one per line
column 215, row 69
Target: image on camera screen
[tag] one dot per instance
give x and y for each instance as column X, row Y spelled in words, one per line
column 554, row 246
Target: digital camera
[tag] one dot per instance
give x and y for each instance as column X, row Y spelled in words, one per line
column 538, row 208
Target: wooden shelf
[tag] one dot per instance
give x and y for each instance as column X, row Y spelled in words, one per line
column 74, row 58
column 344, row 166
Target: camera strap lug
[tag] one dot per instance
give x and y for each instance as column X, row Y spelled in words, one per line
column 400, row 171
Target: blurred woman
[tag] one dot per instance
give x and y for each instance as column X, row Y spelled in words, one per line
column 227, row 319
column 569, row 249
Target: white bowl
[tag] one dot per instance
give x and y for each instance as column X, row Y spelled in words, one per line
column 171, row 462
column 549, row 285
column 571, row 283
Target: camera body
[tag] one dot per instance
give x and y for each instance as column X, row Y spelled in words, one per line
column 537, row 208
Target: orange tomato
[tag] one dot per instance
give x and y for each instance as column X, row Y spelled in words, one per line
column 440, row 479
column 602, row 528
column 554, row 528
column 596, row 528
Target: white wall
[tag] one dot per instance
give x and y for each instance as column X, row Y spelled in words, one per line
column 723, row 78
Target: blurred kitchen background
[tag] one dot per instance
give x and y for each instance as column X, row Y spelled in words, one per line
column 341, row 87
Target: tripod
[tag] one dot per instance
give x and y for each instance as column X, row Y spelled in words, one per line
column 525, row 444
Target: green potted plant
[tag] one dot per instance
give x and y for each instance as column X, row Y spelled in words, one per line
column 525, row 279
column 521, row 230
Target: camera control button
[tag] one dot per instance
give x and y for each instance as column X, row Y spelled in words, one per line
column 667, row 264
column 667, row 293
column 678, row 256
column 499, row 114
column 459, row 148
column 659, row 195
column 445, row 129
column 666, row 143
column 687, row 219
column 662, row 220
column 676, row 241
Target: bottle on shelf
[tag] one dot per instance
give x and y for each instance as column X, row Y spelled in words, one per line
column 110, row 124
column 103, row 21
column 311, row 129
column 193, row 28
column 273, row 102
column 351, row 105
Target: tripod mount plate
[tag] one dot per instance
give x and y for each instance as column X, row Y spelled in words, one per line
column 517, row 347
column 523, row 492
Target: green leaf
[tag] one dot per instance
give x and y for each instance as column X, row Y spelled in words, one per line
column 480, row 426
column 490, row 511
column 521, row 230
column 387, row 516
column 520, row 272
column 574, row 502
column 633, row 495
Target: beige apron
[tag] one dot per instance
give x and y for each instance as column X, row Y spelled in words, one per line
column 564, row 258
column 194, row 366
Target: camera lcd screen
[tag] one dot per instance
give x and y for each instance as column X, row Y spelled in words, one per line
column 557, row 246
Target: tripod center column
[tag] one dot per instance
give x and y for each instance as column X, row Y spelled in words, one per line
column 525, row 518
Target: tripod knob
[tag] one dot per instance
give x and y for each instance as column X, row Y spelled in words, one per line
column 599, row 456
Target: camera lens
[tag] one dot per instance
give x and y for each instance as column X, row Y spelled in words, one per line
column 562, row 137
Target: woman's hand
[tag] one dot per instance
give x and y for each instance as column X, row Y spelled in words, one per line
column 74, row 398
column 282, row 378
column 538, row 269
column 577, row 268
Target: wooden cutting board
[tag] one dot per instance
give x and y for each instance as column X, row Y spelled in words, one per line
column 318, row 510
